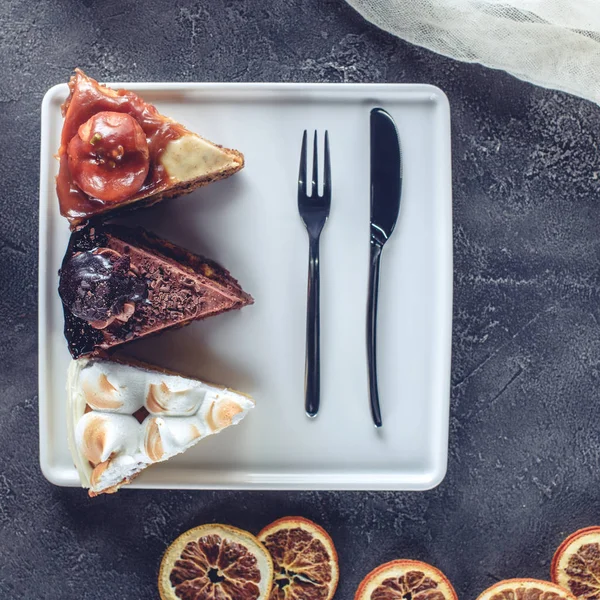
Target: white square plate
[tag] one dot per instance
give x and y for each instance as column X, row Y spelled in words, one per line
column 250, row 224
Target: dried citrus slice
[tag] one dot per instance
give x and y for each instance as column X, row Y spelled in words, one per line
column 405, row 579
column 213, row 562
column 576, row 564
column 304, row 557
column 525, row 589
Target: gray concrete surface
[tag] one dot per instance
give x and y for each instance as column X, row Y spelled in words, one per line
column 524, row 451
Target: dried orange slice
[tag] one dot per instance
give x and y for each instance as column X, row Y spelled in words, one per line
column 304, row 557
column 525, row 589
column 213, row 562
column 405, row 579
column 576, row 564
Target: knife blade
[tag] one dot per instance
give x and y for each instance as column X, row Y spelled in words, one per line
column 386, row 193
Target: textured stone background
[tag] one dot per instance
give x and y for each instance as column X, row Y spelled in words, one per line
column 524, row 451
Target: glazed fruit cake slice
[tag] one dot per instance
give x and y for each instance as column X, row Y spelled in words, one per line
column 119, row 284
column 118, row 151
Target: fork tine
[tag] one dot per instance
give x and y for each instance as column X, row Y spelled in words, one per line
column 315, row 170
column 327, row 170
column 302, row 174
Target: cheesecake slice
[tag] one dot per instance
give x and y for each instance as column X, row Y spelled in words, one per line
column 123, row 417
column 119, row 284
column 118, row 151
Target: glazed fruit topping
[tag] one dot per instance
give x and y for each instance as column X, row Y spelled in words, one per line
column 109, row 157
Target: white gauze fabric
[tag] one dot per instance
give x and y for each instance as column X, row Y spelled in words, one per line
column 552, row 43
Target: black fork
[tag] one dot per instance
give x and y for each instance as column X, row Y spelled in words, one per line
column 314, row 210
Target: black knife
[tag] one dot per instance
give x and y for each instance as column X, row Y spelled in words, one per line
column 386, row 190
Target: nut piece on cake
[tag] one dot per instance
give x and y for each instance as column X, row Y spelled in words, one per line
column 119, row 284
column 118, row 151
column 123, row 417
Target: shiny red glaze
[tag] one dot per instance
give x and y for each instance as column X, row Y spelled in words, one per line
column 109, row 156
column 88, row 98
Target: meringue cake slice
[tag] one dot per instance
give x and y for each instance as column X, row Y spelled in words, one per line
column 118, row 151
column 119, row 284
column 123, row 417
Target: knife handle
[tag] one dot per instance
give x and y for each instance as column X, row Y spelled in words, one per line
column 372, row 331
column 312, row 375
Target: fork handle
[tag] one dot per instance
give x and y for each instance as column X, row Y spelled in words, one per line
column 372, row 331
column 312, row 375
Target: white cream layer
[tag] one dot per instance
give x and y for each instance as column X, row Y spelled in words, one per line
column 102, row 397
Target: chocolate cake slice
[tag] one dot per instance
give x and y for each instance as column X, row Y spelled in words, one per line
column 119, row 284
